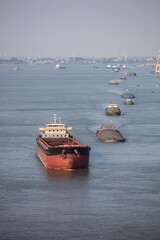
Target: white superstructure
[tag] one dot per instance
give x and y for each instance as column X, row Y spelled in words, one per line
column 112, row 105
column 55, row 130
column 108, row 126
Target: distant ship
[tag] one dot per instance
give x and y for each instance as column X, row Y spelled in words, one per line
column 113, row 109
column 109, row 66
column 59, row 66
column 95, row 66
column 123, row 77
column 124, row 66
column 128, row 101
column 116, row 69
column 130, row 74
column 17, row 69
column 58, row 150
column 108, row 133
column 113, row 82
column 127, row 94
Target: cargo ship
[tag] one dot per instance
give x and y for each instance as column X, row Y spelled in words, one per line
column 108, row 133
column 127, row 94
column 128, row 101
column 113, row 109
column 130, row 74
column 57, row 149
column 113, row 82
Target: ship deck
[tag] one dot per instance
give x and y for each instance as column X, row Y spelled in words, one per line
column 59, row 142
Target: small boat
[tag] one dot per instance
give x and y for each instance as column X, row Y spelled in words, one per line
column 113, row 82
column 57, row 149
column 95, row 66
column 128, row 101
column 59, row 66
column 123, row 78
column 130, row 74
column 124, row 66
column 108, row 133
column 109, row 66
column 116, row 67
column 17, row 69
column 113, row 109
column 116, row 70
column 127, row 94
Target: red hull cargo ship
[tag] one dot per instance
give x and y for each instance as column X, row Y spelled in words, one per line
column 58, row 150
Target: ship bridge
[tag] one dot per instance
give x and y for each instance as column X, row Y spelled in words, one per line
column 55, row 130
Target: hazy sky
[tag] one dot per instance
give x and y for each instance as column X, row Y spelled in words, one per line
column 84, row 28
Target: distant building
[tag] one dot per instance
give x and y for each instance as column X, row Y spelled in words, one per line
column 157, row 66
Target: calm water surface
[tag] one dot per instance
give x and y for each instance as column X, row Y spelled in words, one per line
column 118, row 197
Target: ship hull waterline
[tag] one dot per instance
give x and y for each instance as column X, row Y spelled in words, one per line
column 128, row 104
column 113, row 113
column 112, row 140
column 68, row 161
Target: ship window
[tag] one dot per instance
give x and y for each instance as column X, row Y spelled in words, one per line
column 53, row 135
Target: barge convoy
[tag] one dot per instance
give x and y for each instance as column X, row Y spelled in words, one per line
column 57, row 149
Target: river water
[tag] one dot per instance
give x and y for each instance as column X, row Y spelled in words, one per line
column 118, row 197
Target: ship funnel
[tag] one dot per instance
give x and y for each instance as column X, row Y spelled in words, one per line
column 54, row 118
column 60, row 120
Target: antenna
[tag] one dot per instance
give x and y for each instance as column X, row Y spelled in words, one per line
column 54, row 118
